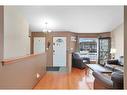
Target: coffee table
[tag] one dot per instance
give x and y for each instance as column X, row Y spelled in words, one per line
column 99, row 68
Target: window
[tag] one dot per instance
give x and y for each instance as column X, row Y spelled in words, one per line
column 88, row 48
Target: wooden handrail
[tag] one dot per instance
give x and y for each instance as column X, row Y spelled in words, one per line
column 11, row 60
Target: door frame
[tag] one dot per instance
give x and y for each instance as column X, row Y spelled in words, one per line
column 66, row 49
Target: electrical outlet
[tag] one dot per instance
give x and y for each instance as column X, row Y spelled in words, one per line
column 38, row 75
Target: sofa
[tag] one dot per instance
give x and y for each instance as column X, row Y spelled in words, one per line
column 115, row 64
column 78, row 61
column 114, row 81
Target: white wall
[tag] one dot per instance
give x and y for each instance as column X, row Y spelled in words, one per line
column 117, row 37
column 16, row 31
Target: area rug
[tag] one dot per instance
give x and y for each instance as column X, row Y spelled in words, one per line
column 52, row 68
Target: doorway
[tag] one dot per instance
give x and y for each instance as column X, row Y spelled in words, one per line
column 59, row 51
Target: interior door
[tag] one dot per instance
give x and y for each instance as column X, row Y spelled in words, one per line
column 59, row 51
column 104, row 50
column 39, row 44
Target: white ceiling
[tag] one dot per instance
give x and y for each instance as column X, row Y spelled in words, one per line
column 81, row 19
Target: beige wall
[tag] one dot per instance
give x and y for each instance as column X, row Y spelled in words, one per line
column 16, row 32
column 1, row 31
column 125, row 46
column 22, row 73
column 117, row 40
column 1, row 34
column 93, row 35
column 49, row 38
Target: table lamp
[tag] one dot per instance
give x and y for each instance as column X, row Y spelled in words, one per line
column 113, row 51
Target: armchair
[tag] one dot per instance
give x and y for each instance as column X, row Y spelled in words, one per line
column 78, row 61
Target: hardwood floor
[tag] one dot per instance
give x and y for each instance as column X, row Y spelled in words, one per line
column 60, row 80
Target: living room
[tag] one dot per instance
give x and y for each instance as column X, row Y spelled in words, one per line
column 55, row 27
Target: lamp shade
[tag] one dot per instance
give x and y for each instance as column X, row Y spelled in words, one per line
column 112, row 50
